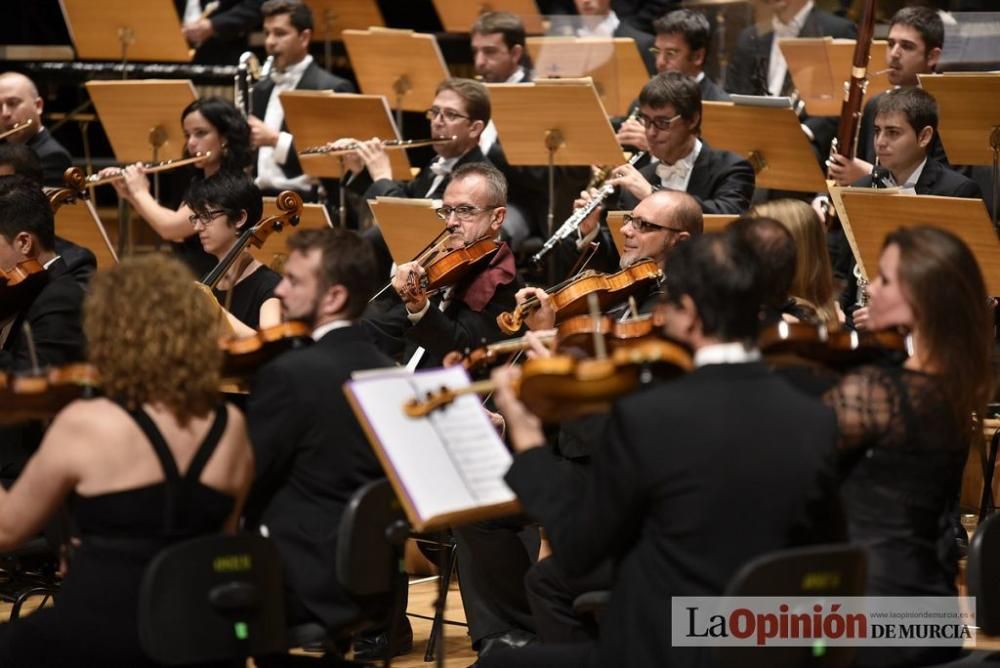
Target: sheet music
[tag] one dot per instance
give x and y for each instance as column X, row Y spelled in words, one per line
column 450, row 461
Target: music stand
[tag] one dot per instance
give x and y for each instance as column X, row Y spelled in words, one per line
column 969, row 125
column 142, row 121
column 820, row 66
column 318, row 117
column 334, row 16
column 77, row 224
column 404, row 66
column 614, row 64
column 869, row 215
column 771, row 138
column 125, row 30
column 567, row 125
column 407, row 225
column 274, row 252
column 457, row 16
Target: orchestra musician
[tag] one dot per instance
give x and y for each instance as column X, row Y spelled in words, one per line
column 916, row 37
column 19, row 159
column 222, row 207
column 159, row 460
column 310, row 451
column 426, row 328
column 905, row 431
column 597, row 18
column 638, row 506
column 461, row 109
column 288, row 29
column 20, row 102
column 44, row 326
column 211, row 126
column 220, row 36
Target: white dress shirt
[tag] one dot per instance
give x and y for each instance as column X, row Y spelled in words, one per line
column 271, row 158
column 605, row 28
column 323, row 330
column 725, row 353
column 678, row 175
column 777, row 67
column 489, row 135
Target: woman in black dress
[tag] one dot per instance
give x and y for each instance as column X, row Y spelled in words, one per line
column 906, row 431
column 160, row 460
column 222, row 207
column 211, row 125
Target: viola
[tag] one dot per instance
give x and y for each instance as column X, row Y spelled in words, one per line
column 570, row 298
column 19, row 286
column 564, row 387
column 788, row 342
column 245, row 355
column 40, row 396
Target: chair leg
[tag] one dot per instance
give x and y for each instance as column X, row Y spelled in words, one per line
column 438, row 623
column 15, row 611
column 986, row 501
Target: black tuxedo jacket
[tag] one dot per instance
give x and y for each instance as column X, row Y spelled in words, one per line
column 680, row 499
column 54, row 316
column 314, row 78
column 748, row 66
column 711, row 91
column 54, row 157
column 936, row 179
column 311, row 456
column 721, row 181
column 232, row 22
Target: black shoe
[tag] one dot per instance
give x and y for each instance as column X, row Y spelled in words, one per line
column 373, row 646
column 513, row 639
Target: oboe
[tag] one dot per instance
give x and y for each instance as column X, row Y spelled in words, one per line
column 573, row 223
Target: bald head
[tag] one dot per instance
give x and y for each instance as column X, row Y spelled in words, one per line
column 678, row 209
column 19, row 102
column 660, row 222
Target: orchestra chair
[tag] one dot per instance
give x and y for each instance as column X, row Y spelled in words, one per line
column 818, row 571
column 33, row 568
column 213, row 599
column 373, row 531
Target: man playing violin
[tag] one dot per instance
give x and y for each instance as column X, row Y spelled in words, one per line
column 663, row 478
column 311, row 454
column 464, row 315
column 40, row 317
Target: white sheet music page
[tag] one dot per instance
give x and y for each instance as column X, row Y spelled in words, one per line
column 449, row 461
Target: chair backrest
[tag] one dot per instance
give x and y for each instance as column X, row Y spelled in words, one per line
column 820, row 571
column 367, row 563
column 211, row 599
column 982, row 574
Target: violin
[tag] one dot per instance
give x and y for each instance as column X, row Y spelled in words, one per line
column 452, row 266
column 787, row 342
column 563, row 387
column 570, row 298
column 290, row 205
column 245, row 355
column 41, row 395
column 19, row 285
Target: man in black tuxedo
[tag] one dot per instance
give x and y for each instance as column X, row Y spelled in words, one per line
column 49, row 303
column 421, row 330
column 20, row 102
column 757, row 66
column 288, row 27
column 311, row 454
column 653, row 500
column 220, row 37
column 916, row 37
column 598, row 19
column 461, row 109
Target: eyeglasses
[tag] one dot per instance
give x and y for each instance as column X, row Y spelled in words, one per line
column 462, row 212
column 644, row 226
column 206, row 217
column 449, row 115
column 660, row 123
column 669, row 53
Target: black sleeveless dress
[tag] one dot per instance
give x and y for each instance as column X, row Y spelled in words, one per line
column 93, row 622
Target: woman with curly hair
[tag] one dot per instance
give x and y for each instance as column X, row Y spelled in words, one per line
column 905, row 431
column 211, row 125
column 159, row 460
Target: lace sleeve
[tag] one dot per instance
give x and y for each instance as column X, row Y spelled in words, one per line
column 865, row 403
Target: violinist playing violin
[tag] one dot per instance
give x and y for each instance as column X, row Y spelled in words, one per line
column 37, row 295
column 462, row 316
